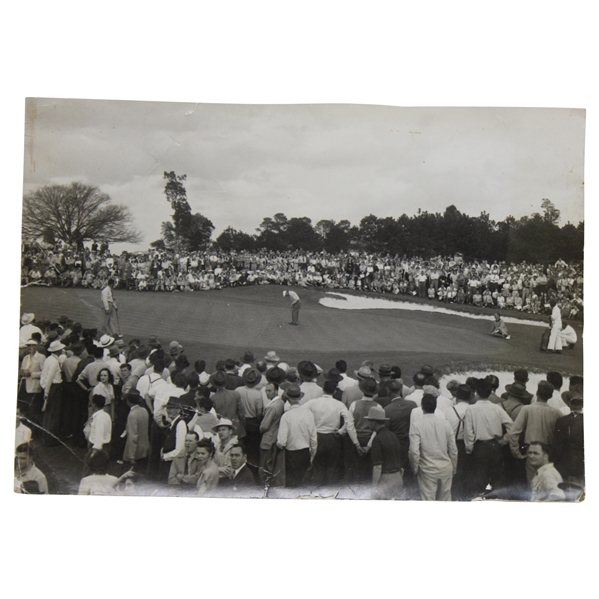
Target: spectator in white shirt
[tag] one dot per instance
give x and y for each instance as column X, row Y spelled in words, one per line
column 328, row 414
column 51, row 383
column 346, row 381
column 97, row 431
column 30, row 390
column 99, row 482
column 418, row 392
column 297, row 436
column 433, row 453
column 28, row 478
column 22, row 432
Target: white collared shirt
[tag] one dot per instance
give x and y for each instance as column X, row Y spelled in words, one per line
column 100, row 431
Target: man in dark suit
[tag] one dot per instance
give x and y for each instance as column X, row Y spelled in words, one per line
column 243, row 478
column 233, row 380
column 568, row 440
column 227, row 403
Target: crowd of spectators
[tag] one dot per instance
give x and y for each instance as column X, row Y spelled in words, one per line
column 251, row 423
column 522, row 287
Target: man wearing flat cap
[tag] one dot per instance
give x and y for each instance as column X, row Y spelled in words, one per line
column 385, row 454
column 297, row 436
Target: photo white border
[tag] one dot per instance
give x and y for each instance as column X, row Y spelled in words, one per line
column 395, row 53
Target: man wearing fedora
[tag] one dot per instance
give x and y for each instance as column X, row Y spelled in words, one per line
column 328, row 414
column 334, row 376
column 110, row 309
column 296, row 304
column 520, row 376
column 357, row 463
column 297, row 436
column 568, row 439
column 310, row 388
column 516, row 397
column 246, row 362
column 51, row 383
column 398, row 411
column 30, row 390
column 385, row 454
column 271, row 359
column 253, row 407
column 354, row 392
column 224, row 440
column 433, row 453
column 272, row 459
column 385, row 373
column 27, row 329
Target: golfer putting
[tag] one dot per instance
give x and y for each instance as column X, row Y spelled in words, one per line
column 499, row 328
column 296, row 304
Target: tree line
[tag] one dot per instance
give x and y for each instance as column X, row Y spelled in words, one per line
column 78, row 213
column 537, row 238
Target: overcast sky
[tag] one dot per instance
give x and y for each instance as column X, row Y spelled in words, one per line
column 322, row 161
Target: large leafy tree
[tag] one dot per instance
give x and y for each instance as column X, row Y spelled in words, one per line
column 187, row 231
column 76, row 213
column 232, row 239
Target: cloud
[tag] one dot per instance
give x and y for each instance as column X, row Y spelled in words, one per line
column 322, row 161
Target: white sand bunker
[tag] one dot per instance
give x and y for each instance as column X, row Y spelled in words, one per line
column 341, row 301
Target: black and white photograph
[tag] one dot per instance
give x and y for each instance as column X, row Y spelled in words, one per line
column 283, row 301
column 298, row 297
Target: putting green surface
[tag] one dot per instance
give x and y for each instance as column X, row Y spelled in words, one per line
column 218, row 324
